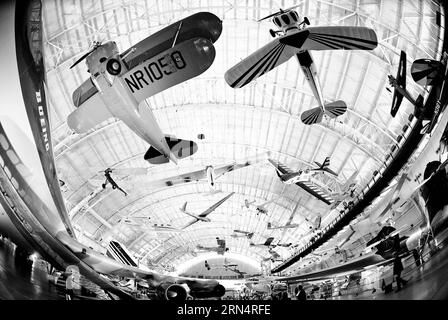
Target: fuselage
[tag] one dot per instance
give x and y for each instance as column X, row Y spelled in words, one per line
column 205, row 219
column 121, row 103
column 290, row 22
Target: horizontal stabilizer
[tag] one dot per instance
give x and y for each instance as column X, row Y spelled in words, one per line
column 335, row 109
column 427, row 72
column 179, row 148
column 312, row 116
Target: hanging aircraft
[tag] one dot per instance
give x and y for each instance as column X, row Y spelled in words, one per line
column 120, row 83
column 295, row 39
column 399, row 84
column 33, row 216
column 226, row 265
column 323, row 167
column 288, row 176
column 110, row 180
column 389, row 241
column 242, row 234
column 260, row 208
column 210, row 173
column 288, row 225
column 220, row 249
column 268, row 243
column 203, row 215
column 156, row 227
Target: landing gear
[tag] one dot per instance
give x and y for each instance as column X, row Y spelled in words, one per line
column 306, row 21
column 272, row 33
column 104, row 186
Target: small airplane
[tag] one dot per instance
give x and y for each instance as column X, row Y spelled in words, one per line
column 203, row 215
column 275, row 257
column 220, row 249
column 295, row 39
column 210, row 173
column 288, row 225
column 268, row 243
column 399, row 84
column 109, row 179
column 242, row 234
column 288, row 176
column 260, row 208
column 324, row 167
column 226, row 265
column 120, row 83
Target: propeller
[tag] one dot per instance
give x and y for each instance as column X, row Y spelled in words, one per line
column 280, row 12
column 96, row 44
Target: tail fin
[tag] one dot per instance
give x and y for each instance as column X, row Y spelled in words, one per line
column 179, row 147
column 312, row 116
column 184, row 207
column 335, row 109
column 427, row 72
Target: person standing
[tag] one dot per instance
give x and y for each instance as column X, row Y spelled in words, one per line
column 301, row 294
column 398, row 268
column 69, row 286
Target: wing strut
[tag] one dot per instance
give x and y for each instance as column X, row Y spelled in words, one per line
column 177, row 34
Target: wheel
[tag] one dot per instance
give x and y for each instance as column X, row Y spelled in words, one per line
column 272, row 32
column 307, row 22
column 104, row 186
column 114, row 187
column 113, row 66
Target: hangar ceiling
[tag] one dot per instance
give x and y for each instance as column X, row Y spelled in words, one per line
column 260, row 120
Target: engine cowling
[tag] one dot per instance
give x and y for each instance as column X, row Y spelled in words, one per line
column 173, row 292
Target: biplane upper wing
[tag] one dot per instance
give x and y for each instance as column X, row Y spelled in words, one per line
column 258, row 63
column 202, row 24
column 332, row 38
